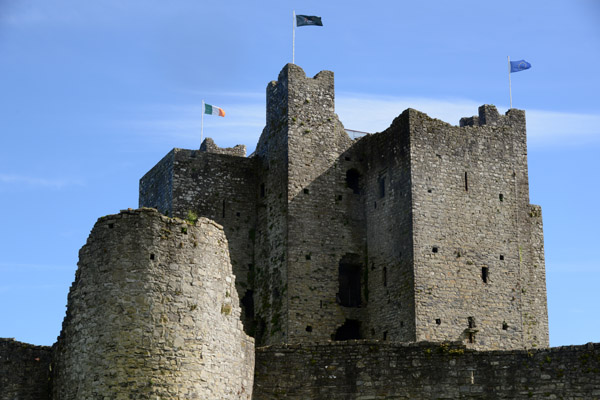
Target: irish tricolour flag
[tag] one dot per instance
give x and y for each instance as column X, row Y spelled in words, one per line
column 212, row 110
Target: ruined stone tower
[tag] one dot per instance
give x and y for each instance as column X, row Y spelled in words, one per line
column 153, row 313
column 421, row 232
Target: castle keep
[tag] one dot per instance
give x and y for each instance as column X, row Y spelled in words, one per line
column 404, row 264
column 421, row 232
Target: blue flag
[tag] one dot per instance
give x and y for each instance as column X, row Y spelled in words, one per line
column 521, row 65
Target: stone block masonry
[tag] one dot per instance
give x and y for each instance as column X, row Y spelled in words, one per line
column 404, row 264
column 378, row 370
column 153, row 313
column 24, row 371
column 421, row 232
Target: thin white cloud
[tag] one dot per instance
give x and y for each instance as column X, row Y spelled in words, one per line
column 57, row 183
column 544, row 128
column 245, row 120
column 242, row 123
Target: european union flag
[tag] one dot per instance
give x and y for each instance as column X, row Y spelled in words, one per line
column 521, row 65
column 302, row 20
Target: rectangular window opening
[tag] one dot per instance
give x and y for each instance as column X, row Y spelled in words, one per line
column 501, row 197
column 466, row 182
column 381, row 183
column 262, row 190
column 484, row 274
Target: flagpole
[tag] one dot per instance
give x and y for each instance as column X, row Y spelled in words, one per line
column 202, row 123
column 509, row 83
column 294, row 37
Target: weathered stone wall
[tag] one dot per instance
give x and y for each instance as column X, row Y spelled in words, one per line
column 153, row 312
column 214, row 185
column 24, row 371
column 156, row 186
column 383, row 370
column 323, row 215
column 388, row 207
column 472, row 230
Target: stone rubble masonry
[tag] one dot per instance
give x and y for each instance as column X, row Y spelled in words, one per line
column 422, row 232
column 378, row 370
column 153, row 313
column 24, row 371
column 434, row 217
column 217, row 186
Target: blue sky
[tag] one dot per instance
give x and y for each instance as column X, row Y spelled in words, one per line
column 93, row 94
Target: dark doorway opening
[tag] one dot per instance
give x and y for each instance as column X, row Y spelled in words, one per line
column 353, row 180
column 349, row 331
column 349, row 281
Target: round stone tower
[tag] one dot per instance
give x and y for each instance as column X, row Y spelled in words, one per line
column 153, row 314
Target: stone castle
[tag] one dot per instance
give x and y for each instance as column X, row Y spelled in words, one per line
column 403, row 264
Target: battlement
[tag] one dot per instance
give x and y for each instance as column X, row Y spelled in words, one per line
column 489, row 115
column 209, row 146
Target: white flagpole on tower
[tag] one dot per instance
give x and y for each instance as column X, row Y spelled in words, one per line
column 294, row 37
column 202, row 123
column 509, row 83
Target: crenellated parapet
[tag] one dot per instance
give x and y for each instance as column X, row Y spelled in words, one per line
column 209, row 146
column 489, row 115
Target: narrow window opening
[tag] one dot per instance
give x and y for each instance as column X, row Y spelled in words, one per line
column 184, row 230
column 501, row 197
column 305, row 191
column 401, row 324
column 471, row 322
column 110, row 226
column 501, row 257
column 471, row 337
column 375, row 205
column 349, row 274
column 347, row 158
column 504, row 326
column 307, row 256
column 434, row 249
column 353, row 180
column 237, row 214
column 340, row 197
column 262, row 190
column 466, row 182
column 308, row 328
column 384, row 276
column 384, row 335
column 321, row 304
column 438, row 321
column 428, row 190
column 484, row 274
column 152, row 256
column 372, row 266
column 381, row 183
column 349, row 331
